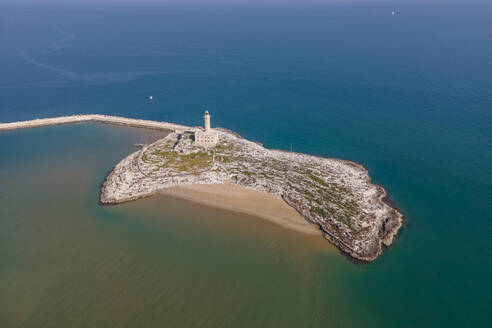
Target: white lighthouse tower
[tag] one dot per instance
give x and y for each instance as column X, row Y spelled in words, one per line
column 207, row 138
column 206, row 119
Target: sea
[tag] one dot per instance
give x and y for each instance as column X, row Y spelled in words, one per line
column 409, row 96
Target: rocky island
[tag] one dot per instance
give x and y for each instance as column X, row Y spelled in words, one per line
column 334, row 194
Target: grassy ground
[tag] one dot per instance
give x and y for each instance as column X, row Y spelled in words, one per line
column 181, row 163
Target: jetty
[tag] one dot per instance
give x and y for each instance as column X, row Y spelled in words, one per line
column 107, row 119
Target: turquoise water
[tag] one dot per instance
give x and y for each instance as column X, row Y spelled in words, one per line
column 409, row 97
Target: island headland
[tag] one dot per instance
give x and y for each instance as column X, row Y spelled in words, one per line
column 335, row 195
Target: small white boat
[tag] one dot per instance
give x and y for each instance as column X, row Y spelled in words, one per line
column 393, row 12
column 150, row 98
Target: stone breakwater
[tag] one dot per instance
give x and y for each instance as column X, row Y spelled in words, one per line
column 336, row 195
column 92, row 118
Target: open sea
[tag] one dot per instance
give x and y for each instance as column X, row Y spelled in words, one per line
column 408, row 96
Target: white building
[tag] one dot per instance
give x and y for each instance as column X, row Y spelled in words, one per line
column 206, row 138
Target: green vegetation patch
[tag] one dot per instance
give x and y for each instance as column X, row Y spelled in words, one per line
column 182, row 163
column 318, row 210
column 224, row 148
column 194, row 161
column 317, row 179
column 346, row 220
column 224, row 159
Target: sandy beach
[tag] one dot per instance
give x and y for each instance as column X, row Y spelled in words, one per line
column 242, row 200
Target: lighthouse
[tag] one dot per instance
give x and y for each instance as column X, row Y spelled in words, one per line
column 207, row 138
column 206, row 120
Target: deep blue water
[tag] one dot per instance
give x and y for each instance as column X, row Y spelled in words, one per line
column 409, row 97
